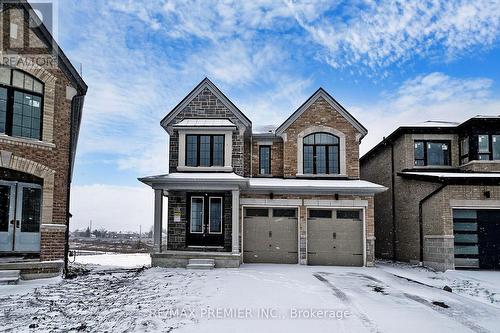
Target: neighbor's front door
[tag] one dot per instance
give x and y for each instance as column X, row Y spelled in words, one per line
column 20, row 216
column 205, row 219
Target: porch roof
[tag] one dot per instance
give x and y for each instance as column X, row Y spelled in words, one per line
column 194, row 180
column 324, row 186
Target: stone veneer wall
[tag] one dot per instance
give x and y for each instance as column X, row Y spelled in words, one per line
column 321, row 113
column 439, row 252
column 207, row 105
column 176, row 231
column 276, row 156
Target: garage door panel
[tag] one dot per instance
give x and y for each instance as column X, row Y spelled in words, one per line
column 270, row 239
column 332, row 241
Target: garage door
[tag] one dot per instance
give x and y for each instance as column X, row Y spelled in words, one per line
column 477, row 238
column 270, row 235
column 335, row 237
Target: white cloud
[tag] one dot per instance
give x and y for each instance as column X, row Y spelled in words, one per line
column 112, row 207
column 380, row 33
column 434, row 96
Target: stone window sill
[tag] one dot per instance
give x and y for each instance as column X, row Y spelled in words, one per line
column 25, row 142
column 311, row 175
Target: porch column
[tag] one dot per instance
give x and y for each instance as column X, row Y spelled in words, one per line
column 158, row 220
column 236, row 221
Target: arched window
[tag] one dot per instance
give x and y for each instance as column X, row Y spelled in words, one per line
column 321, row 154
column 21, row 100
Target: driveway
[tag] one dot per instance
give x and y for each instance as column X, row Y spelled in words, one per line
column 254, row 298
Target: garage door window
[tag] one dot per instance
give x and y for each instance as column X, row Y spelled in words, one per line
column 256, row 212
column 320, row 213
column 349, row 214
column 281, row 212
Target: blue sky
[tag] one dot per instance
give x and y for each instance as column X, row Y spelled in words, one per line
column 388, row 63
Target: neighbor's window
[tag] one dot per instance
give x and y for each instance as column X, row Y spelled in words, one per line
column 265, row 160
column 321, row 154
column 21, row 98
column 204, row 150
column 464, row 150
column 432, row 153
column 488, row 147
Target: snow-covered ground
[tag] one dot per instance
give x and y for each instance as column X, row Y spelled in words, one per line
column 113, row 260
column 255, row 298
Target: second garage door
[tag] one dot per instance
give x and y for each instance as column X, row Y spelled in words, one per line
column 335, row 237
column 270, row 235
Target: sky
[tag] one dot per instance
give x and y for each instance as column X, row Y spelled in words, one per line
column 388, row 63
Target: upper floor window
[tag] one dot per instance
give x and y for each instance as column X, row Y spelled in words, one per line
column 432, row 153
column 464, row 150
column 204, row 150
column 321, row 154
column 265, row 160
column 488, row 147
column 21, row 97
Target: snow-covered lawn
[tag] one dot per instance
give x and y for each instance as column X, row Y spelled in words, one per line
column 113, row 260
column 255, row 298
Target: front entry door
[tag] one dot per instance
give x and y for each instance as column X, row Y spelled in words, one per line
column 205, row 220
column 20, row 216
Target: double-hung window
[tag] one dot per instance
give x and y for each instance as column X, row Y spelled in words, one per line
column 429, row 153
column 265, row 160
column 21, row 99
column 204, row 150
column 464, row 150
column 321, row 154
column 488, row 147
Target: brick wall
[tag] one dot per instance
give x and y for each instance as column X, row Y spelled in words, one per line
column 321, row 113
column 482, row 166
column 276, row 156
column 53, row 153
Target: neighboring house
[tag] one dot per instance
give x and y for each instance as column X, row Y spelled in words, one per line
column 40, row 112
column 443, row 206
column 292, row 195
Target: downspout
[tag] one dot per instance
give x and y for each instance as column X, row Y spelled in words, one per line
column 76, row 105
column 420, row 218
column 393, row 204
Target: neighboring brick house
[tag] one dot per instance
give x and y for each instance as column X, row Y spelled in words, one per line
column 40, row 112
column 443, row 203
column 292, row 195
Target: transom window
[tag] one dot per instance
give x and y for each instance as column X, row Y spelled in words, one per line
column 265, row 160
column 432, row 153
column 204, row 150
column 488, row 147
column 321, row 154
column 21, row 100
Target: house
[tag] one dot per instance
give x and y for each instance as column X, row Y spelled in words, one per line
column 292, row 195
column 443, row 204
column 41, row 100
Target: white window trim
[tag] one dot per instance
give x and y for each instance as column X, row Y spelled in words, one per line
column 228, row 149
column 210, row 217
column 300, row 149
column 191, row 215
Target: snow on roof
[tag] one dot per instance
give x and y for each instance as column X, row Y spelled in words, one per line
column 317, row 185
column 195, row 176
column 454, row 174
column 205, row 122
column 434, row 123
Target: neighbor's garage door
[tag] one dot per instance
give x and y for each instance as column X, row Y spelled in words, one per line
column 477, row 238
column 270, row 235
column 335, row 237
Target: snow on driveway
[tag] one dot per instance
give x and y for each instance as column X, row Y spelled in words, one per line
column 254, row 298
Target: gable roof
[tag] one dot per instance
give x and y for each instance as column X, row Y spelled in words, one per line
column 336, row 105
column 205, row 83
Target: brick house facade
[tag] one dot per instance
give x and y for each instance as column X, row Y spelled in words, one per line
column 442, row 177
column 36, row 156
column 236, row 196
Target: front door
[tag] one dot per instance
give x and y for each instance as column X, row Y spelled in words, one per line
column 205, row 220
column 20, row 216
